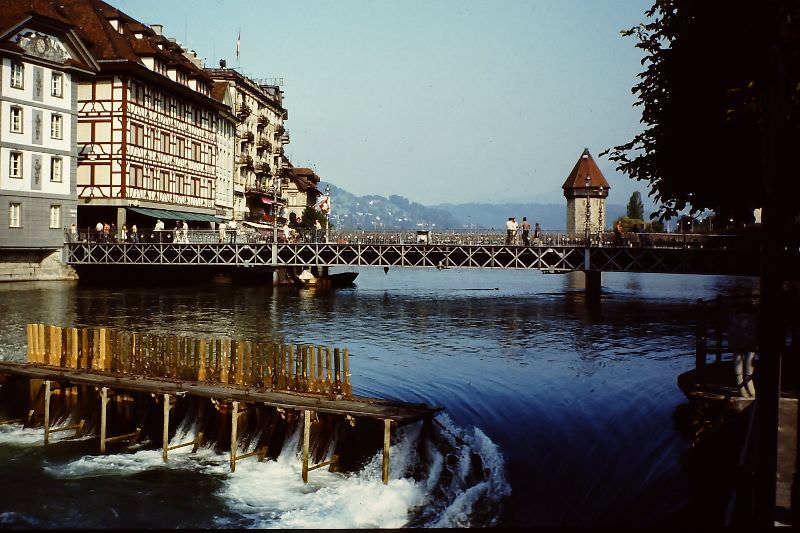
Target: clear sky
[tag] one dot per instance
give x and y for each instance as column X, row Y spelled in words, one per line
column 435, row 100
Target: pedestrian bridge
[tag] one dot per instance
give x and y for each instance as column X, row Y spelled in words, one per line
column 554, row 253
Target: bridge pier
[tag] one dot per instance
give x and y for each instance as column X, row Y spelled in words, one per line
column 593, row 284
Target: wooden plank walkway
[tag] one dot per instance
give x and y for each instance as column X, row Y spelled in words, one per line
column 400, row 412
column 787, row 460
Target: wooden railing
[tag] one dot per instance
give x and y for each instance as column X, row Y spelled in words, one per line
column 261, row 365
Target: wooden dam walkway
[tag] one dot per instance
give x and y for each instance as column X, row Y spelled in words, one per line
column 233, row 373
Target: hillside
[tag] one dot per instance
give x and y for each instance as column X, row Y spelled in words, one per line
column 374, row 212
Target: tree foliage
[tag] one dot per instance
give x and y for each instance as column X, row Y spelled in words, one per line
column 704, row 97
column 635, row 206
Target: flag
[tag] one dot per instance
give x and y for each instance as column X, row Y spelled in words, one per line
column 324, row 204
column 238, row 43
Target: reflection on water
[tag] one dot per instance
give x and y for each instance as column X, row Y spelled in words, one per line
column 577, row 399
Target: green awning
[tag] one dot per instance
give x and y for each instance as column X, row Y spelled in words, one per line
column 174, row 215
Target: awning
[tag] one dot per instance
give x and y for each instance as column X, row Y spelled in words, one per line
column 175, row 215
column 267, row 200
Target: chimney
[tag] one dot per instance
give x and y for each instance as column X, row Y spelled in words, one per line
column 158, row 28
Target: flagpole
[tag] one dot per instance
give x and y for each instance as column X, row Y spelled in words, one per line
column 238, row 47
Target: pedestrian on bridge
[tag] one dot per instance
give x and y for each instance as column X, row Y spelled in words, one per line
column 511, row 229
column 222, row 228
column 526, row 231
column 98, row 232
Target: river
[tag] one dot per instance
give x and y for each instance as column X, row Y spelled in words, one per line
column 568, row 406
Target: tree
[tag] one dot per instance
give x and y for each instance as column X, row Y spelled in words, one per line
column 706, row 94
column 635, row 206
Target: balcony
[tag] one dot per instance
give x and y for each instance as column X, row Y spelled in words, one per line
column 243, row 111
column 248, row 137
column 246, row 161
column 262, row 167
column 263, row 142
column 263, row 120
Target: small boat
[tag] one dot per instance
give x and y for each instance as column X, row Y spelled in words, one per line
column 341, row 279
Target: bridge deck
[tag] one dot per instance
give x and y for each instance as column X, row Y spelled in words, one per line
column 356, row 406
column 547, row 258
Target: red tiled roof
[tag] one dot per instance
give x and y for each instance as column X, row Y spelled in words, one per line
column 90, row 20
column 585, row 166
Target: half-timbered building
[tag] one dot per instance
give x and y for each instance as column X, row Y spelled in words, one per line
column 147, row 124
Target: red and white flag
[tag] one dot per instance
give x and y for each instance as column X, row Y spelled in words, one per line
column 238, row 43
column 324, row 204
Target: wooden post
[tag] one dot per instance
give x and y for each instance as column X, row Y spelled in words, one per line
column 201, row 356
column 46, row 412
column 328, row 380
column 347, row 388
column 320, row 376
column 29, row 333
column 290, row 381
column 223, row 371
column 165, row 438
column 103, row 406
column 239, row 362
column 41, row 345
column 73, row 356
column 387, row 432
column 234, row 428
column 84, row 348
column 337, row 367
column 312, row 369
column 49, row 345
column 306, row 438
column 103, row 340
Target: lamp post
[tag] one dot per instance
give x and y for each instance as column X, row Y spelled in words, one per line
column 600, row 223
column 328, row 214
column 276, row 205
column 588, row 183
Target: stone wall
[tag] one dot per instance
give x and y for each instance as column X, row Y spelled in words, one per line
column 34, row 265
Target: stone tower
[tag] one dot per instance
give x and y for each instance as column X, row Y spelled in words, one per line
column 586, row 191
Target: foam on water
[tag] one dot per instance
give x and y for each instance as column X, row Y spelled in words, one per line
column 455, row 479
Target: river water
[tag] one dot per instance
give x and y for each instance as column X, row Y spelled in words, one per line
column 567, row 406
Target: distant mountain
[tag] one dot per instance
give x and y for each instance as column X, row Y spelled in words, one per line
column 373, row 212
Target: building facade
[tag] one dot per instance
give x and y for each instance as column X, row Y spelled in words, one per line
column 147, row 125
column 258, row 148
column 41, row 60
column 586, row 190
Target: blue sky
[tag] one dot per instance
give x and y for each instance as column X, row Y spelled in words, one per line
column 434, row 100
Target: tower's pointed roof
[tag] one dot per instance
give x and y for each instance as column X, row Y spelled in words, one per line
column 584, row 166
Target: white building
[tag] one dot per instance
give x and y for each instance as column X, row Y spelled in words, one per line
column 41, row 59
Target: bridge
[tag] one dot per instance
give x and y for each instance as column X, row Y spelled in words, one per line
column 552, row 253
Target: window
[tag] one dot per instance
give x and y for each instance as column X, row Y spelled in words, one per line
column 55, row 126
column 17, row 71
column 195, row 151
column 165, row 147
column 181, row 147
column 55, row 169
column 55, row 216
column 14, row 212
column 137, row 134
column 15, row 165
column 137, row 175
column 57, row 85
column 16, row 120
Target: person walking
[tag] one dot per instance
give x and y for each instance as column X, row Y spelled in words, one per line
column 232, row 228
column 98, row 232
column 134, row 233
column 537, row 233
column 510, row 230
column 526, row 231
column 222, row 227
column 159, row 229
